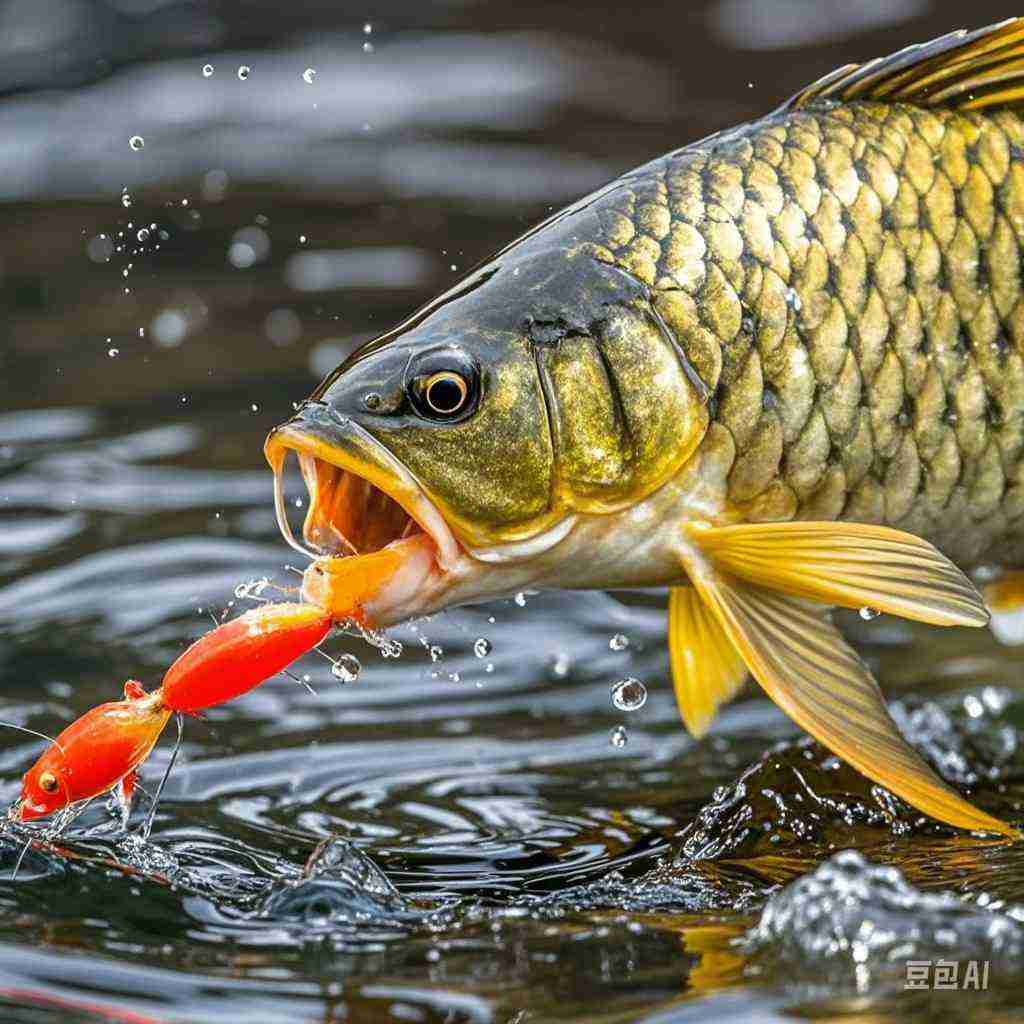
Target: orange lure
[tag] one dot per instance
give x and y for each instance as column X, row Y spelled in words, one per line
column 238, row 655
column 107, row 744
column 93, row 754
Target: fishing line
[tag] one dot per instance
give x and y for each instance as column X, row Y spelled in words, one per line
column 148, row 827
column 33, row 732
column 299, row 679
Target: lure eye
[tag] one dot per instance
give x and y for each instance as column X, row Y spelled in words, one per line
column 48, row 782
column 446, row 392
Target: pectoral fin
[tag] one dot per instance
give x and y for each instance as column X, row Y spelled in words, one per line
column 809, row 670
column 854, row 565
column 707, row 670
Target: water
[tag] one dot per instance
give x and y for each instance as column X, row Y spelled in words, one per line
column 474, row 831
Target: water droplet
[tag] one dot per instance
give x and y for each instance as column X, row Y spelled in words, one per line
column 254, row 407
column 561, row 665
column 207, row 70
column 126, row 199
column 302, row 239
column 629, row 694
column 136, row 142
column 346, row 668
column 619, row 642
column 367, row 29
column 618, row 737
column 244, row 71
column 298, row 503
column 793, row 300
column 367, row 47
column 435, row 652
column 143, row 234
column 113, row 352
column 520, row 599
column 482, row 647
column 308, row 75
column 867, row 614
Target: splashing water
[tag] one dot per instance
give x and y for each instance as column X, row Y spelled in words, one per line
column 346, row 668
column 252, row 588
column 629, row 694
column 618, row 737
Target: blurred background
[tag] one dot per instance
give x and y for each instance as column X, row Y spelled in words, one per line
column 305, row 174
column 204, row 206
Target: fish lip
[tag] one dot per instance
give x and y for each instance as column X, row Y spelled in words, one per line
column 320, row 432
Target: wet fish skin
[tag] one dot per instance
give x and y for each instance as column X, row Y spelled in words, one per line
column 847, row 280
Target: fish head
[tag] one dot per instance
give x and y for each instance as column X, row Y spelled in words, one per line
column 473, row 439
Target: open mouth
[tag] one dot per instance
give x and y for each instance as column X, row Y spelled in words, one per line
column 361, row 499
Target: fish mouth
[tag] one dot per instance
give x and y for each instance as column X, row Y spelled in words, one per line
column 362, row 500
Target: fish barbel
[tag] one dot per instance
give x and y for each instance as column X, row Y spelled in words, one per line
column 777, row 370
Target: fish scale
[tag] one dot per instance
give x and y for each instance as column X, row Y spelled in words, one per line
column 848, row 281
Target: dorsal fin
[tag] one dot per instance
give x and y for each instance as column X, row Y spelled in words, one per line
column 978, row 70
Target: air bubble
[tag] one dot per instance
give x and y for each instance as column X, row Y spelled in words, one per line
column 619, row 642
column 113, row 352
column 136, row 142
column 346, row 668
column 244, row 71
column 482, row 647
column 143, row 235
column 308, row 75
column 618, row 737
column 126, row 199
column 629, row 694
column 207, row 71
column 367, row 47
column 520, row 599
column 435, row 652
column 867, row 614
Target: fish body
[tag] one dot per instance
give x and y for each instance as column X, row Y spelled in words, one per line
column 777, row 370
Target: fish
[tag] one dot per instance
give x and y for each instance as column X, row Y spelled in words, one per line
column 777, row 371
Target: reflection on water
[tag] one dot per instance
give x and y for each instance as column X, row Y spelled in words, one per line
column 497, row 826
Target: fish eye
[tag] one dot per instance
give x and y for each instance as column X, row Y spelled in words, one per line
column 446, row 392
column 443, row 384
column 48, row 782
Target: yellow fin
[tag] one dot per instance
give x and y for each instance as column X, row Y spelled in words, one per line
column 809, row 670
column 707, row 670
column 855, row 565
column 963, row 70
